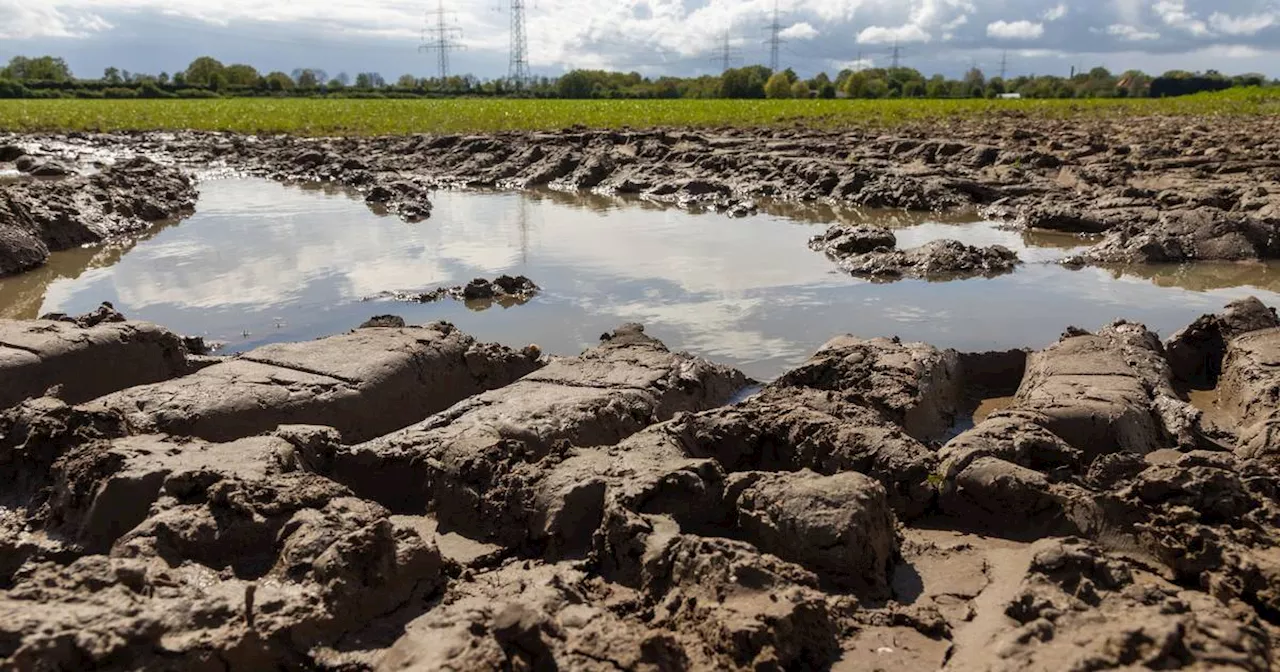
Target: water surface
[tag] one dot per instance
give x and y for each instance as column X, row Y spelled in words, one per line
column 262, row 262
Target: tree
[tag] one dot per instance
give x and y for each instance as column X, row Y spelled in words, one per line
column 407, row 82
column 745, row 82
column 112, row 76
column 800, row 90
column 876, row 88
column 778, row 86
column 41, row 69
column 203, row 71
column 574, row 84
column 241, row 75
column 334, row 85
column 278, row 81
column 162, row 78
column 307, row 79
column 370, row 80
column 974, row 77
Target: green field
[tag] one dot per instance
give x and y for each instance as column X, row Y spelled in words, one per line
column 374, row 117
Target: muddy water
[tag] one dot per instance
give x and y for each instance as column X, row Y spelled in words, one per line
column 263, row 262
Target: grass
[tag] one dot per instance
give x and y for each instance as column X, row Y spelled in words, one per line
column 375, row 117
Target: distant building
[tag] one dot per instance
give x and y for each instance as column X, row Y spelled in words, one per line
column 1010, row 96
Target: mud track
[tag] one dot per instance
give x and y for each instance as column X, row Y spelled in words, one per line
column 405, row 497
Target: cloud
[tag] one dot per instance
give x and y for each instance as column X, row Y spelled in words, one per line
column 1130, row 33
column 1016, row 30
column 1241, row 25
column 800, row 31
column 24, row 20
column 886, row 35
column 1056, row 12
column 1175, row 15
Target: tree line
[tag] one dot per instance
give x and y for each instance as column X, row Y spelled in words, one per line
column 206, row 77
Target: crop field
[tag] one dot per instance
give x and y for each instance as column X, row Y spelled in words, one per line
column 379, row 117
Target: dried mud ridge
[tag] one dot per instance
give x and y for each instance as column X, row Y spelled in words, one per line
column 409, row 498
column 1153, row 189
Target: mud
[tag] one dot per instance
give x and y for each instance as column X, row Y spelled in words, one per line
column 42, row 216
column 366, row 383
column 479, row 294
column 406, row 497
column 869, row 251
column 1157, row 189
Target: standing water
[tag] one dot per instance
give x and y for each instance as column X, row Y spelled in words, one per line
column 262, row 262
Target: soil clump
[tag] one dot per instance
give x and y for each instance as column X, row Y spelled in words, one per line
column 42, row 216
column 479, row 294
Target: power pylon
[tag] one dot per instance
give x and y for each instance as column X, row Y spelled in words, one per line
column 728, row 55
column 518, row 71
column 775, row 39
column 441, row 38
column 1004, row 64
column 895, row 55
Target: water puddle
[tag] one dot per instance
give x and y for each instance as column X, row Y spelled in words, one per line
column 262, row 262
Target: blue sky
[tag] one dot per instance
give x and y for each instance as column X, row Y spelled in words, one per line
column 679, row 37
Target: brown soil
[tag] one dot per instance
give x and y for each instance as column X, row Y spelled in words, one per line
column 406, row 498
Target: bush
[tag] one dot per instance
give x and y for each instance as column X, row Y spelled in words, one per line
column 197, row 93
column 151, row 90
column 119, row 92
column 12, row 89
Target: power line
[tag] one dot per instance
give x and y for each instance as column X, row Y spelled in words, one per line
column 445, row 39
column 728, row 55
column 775, row 39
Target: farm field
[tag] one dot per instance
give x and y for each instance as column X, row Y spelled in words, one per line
column 389, row 117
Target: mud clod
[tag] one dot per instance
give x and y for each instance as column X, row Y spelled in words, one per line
column 44, row 216
column 871, row 252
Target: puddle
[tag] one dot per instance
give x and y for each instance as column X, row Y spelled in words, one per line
column 262, row 262
column 988, row 406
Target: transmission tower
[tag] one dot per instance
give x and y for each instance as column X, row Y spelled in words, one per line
column 895, row 55
column 441, row 38
column 518, row 71
column 1004, row 64
column 728, row 55
column 775, row 40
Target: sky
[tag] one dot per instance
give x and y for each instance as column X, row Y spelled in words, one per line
column 654, row 37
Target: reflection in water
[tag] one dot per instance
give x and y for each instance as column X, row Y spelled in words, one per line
column 1206, row 276
column 262, row 262
column 22, row 295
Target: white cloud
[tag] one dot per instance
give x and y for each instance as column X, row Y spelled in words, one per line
column 1131, row 33
column 1175, row 15
column 886, row 35
column 1056, row 12
column 800, row 31
column 1016, row 30
column 24, row 20
column 1242, row 25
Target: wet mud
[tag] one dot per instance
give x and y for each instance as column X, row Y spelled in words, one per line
column 479, row 294
column 405, row 497
column 408, row 497
column 1153, row 190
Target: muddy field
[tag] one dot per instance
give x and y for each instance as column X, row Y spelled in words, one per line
column 408, row 497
